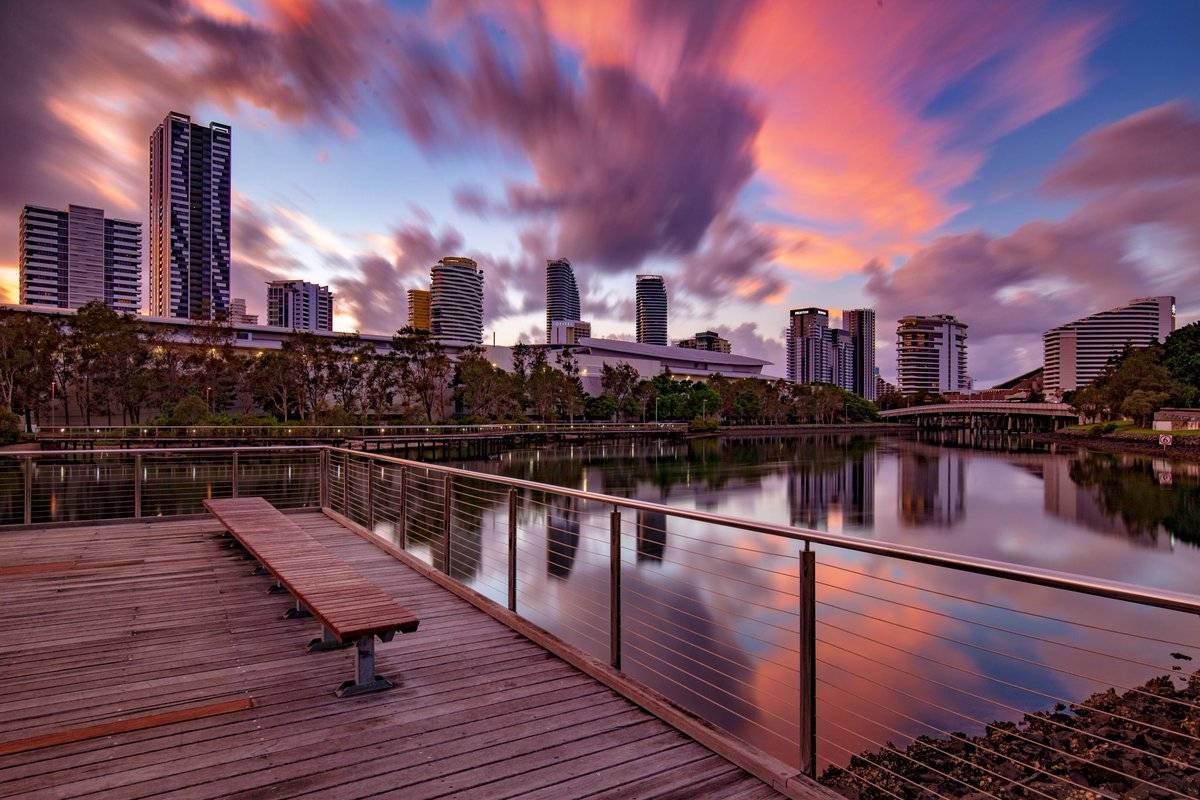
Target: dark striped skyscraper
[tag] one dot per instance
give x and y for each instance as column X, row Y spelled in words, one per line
column 861, row 324
column 651, row 310
column 456, row 300
column 562, row 294
column 190, row 187
column 70, row 258
column 808, row 346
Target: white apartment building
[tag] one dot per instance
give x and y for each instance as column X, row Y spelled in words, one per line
column 1077, row 352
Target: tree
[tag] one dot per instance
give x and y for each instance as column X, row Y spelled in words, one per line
column 312, row 357
column 485, row 390
column 424, row 371
column 545, row 387
column 30, row 349
column 349, row 370
column 1181, row 355
column 274, row 379
column 572, row 396
column 618, row 383
column 1140, row 405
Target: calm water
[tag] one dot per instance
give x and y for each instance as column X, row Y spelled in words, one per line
column 710, row 614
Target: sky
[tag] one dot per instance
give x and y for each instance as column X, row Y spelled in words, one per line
column 1018, row 164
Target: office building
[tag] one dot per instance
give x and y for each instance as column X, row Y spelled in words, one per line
column 299, row 306
column 931, row 354
column 569, row 331
column 860, row 322
column 707, row 340
column 418, row 309
column 190, row 186
column 651, row 310
column 1077, row 352
column 808, row 346
column 843, row 347
column 883, row 387
column 69, row 258
column 562, row 294
column 238, row 315
column 456, row 300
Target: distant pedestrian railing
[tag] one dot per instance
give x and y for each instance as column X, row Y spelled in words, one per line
column 890, row 671
column 304, row 432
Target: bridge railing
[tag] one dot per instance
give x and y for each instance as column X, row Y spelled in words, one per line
column 117, row 433
column 891, row 671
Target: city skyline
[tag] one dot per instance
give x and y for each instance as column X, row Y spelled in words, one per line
column 1014, row 202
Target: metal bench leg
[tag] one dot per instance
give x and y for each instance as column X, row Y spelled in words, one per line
column 365, row 680
column 297, row 611
column 276, row 588
column 327, row 641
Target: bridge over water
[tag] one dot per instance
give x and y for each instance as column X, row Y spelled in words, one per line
column 987, row 415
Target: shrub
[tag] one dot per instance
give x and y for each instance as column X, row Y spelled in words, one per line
column 10, row 427
column 709, row 424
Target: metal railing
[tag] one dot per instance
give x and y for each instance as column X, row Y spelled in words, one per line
column 305, row 432
column 926, row 673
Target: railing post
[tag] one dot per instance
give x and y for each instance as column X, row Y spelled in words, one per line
column 446, row 487
column 137, row 486
column 370, row 496
column 233, row 476
column 512, row 549
column 28, row 463
column 323, row 497
column 614, row 589
column 346, row 484
column 403, row 508
column 808, row 661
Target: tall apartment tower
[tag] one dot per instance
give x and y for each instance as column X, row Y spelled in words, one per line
column 843, row 351
column 562, row 294
column 931, row 354
column 456, row 300
column 860, row 322
column 651, row 310
column 300, row 306
column 238, row 314
column 69, row 258
column 190, row 186
column 418, row 309
column 1077, row 352
column 808, row 346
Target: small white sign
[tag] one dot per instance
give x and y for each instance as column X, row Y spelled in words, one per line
column 1166, row 440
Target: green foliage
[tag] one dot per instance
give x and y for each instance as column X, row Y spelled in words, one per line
column 709, row 424
column 10, row 427
column 191, row 410
column 1181, row 355
column 1135, row 385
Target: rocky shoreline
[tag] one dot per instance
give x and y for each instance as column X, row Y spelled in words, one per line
column 1036, row 757
column 1184, row 448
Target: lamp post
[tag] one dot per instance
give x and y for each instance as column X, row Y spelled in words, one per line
column 208, row 397
column 655, row 409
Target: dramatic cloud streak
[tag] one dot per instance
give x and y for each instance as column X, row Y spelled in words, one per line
column 1140, row 178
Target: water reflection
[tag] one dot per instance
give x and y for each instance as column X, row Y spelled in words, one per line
column 710, row 614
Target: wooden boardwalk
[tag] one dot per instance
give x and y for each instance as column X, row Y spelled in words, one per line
column 144, row 660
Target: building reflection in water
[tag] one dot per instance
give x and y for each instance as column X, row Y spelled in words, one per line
column 931, row 487
column 562, row 537
column 651, row 536
column 841, row 488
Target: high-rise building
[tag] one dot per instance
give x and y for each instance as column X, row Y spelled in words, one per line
column 70, row 258
column 562, row 294
column 843, row 347
column 931, row 354
column 418, row 309
column 238, row 315
column 1077, row 352
column 299, row 305
column 808, row 346
column 456, row 300
column 861, row 324
column 651, row 310
column 190, row 188
column 569, row 331
column 707, row 340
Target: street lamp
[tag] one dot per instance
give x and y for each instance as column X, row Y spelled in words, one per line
column 208, row 396
column 655, row 409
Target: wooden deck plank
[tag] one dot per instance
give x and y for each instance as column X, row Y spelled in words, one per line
column 137, row 619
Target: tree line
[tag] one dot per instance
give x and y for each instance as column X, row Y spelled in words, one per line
column 102, row 365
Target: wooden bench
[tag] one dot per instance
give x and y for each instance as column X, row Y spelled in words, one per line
column 351, row 609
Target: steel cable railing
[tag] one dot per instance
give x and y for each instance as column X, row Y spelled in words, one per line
column 896, row 671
